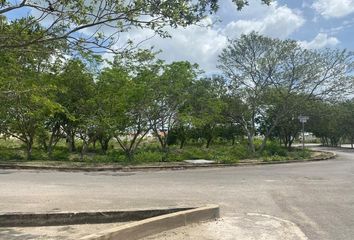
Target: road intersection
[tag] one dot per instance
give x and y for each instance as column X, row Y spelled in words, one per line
column 317, row 197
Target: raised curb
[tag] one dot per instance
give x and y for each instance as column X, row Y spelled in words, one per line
column 151, row 226
column 332, row 155
column 159, row 168
column 70, row 218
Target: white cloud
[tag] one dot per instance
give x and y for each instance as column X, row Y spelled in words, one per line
column 197, row 44
column 203, row 44
column 334, row 8
column 320, row 41
column 276, row 21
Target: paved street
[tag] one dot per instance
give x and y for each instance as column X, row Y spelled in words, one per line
column 316, row 197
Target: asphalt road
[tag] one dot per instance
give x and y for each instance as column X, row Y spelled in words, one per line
column 318, row 197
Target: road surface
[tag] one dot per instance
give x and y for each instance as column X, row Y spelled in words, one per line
column 316, row 198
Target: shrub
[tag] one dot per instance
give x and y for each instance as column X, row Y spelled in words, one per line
column 61, row 154
column 113, row 156
column 38, row 154
column 10, row 154
column 227, row 159
column 147, row 156
column 240, row 151
column 274, row 149
column 300, row 154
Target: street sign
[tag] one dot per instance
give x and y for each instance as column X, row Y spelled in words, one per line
column 303, row 119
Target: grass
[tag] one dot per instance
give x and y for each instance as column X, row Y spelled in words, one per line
column 13, row 150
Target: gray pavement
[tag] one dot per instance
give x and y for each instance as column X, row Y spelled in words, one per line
column 316, row 197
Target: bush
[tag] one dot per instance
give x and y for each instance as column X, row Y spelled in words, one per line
column 240, row 151
column 191, row 153
column 150, row 152
column 300, row 154
column 38, row 154
column 60, row 154
column 274, row 149
column 10, row 154
column 148, row 156
column 220, row 153
column 227, row 159
column 112, row 156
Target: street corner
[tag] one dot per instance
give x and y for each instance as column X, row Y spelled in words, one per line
column 250, row 226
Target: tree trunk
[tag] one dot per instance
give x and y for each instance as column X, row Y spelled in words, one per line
column 129, row 153
column 263, row 145
column 266, row 136
column 29, row 145
column 286, row 141
column 70, row 139
column 50, row 145
column 182, row 144
column 50, row 151
column 83, row 150
column 209, row 141
column 165, row 152
column 73, row 146
column 104, row 144
column 250, row 139
column 44, row 145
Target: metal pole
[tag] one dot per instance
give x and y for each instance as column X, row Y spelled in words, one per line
column 303, row 136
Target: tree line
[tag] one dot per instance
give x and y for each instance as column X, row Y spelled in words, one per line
column 265, row 85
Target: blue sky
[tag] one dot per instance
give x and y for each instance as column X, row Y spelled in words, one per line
column 314, row 23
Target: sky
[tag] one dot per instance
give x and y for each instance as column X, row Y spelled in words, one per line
column 314, row 23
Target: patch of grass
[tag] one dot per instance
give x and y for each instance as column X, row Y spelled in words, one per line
column 148, row 156
column 274, row 149
column 219, row 153
column 149, row 152
column 300, row 154
column 295, row 154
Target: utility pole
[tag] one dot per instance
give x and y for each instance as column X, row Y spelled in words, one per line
column 303, row 120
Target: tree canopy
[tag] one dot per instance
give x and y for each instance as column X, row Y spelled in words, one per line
column 95, row 25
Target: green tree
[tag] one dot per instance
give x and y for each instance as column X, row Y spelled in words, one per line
column 170, row 95
column 206, row 106
column 288, row 127
column 263, row 70
column 76, row 96
column 347, row 121
column 26, row 97
column 103, row 21
column 325, row 123
column 126, row 98
column 110, row 102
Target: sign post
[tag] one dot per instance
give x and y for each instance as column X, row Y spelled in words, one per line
column 303, row 120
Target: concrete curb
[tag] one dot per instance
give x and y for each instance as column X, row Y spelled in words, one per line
column 71, row 218
column 158, row 168
column 332, row 155
column 151, row 226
